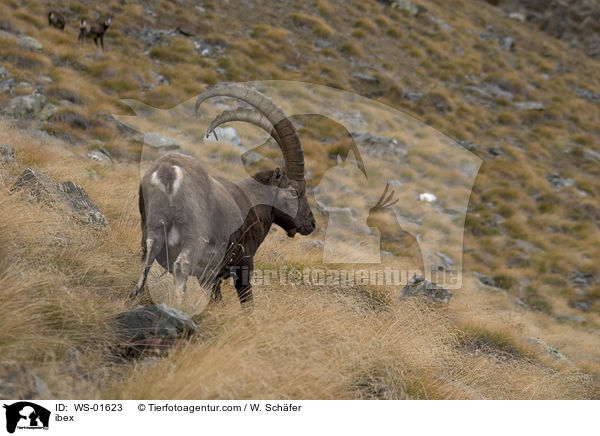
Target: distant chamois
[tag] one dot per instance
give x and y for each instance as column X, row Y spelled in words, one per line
column 95, row 31
column 55, row 19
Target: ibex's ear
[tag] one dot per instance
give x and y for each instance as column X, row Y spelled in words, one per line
column 277, row 176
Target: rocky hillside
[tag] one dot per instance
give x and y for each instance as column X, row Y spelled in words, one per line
column 513, row 82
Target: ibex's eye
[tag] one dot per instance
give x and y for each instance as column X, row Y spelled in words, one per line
column 294, row 193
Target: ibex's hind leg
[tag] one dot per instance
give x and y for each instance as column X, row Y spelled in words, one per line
column 182, row 267
column 151, row 249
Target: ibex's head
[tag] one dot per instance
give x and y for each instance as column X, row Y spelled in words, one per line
column 107, row 22
column 382, row 206
column 291, row 192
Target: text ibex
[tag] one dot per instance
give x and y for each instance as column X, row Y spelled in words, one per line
column 199, row 224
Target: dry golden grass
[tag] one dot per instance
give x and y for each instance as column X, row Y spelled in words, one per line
column 63, row 283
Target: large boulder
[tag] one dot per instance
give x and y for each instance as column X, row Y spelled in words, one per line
column 161, row 143
column 43, row 190
column 151, row 329
column 421, row 287
column 29, row 107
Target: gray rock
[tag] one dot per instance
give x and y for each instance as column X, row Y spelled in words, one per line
column 24, row 88
column 22, row 382
column 420, row 286
column 25, row 107
column 572, row 318
column 518, row 16
column 367, row 78
column 151, row 329
column 489, row 91
column 487, row 283
column 557, row 181
column 100, row 155
column 404, row 6
column 447, row 262
column 591, row 154
column 161, row 142
column 507, row 43
column 82, row 206
column 30, row 43
column 7, row 85
column 486, row 280
column 380, row 145
column 582, row 280
column 587, row 95
column 7, row 154
column 125, row 129
column 4, row 74
column 47, row 112
column 529, row 106
column 43, row 190
column 321, row 43
column 159, row 79
column 227, row 134
column 551, row 350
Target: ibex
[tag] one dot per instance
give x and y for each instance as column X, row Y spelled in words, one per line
column 199, row 224
column 95, row 31
column 55, row 19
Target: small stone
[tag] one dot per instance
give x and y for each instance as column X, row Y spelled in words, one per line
column 7, row 154
column 420, row 286
column 551, row 350
column 507, row 43
column 518, row 16
column 529, row 106
column 4, row 74
column 427, row 197
column 7, row 85
column 226, row 134
column 557, row 181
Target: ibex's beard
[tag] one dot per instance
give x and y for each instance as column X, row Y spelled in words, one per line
column 291, row 233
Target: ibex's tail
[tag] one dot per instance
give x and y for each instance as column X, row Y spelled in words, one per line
column 168, row 178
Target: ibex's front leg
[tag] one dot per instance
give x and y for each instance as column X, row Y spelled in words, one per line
column 182, row 267
column 152, row 249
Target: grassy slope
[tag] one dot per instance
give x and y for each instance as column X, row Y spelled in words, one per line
column 302, row 342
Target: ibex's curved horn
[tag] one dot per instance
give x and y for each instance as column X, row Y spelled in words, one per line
column 247, row 115
column 289, row 141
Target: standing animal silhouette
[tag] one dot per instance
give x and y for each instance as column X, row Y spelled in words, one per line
column 55, row 19
column 394, row 238
column 94, row 31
